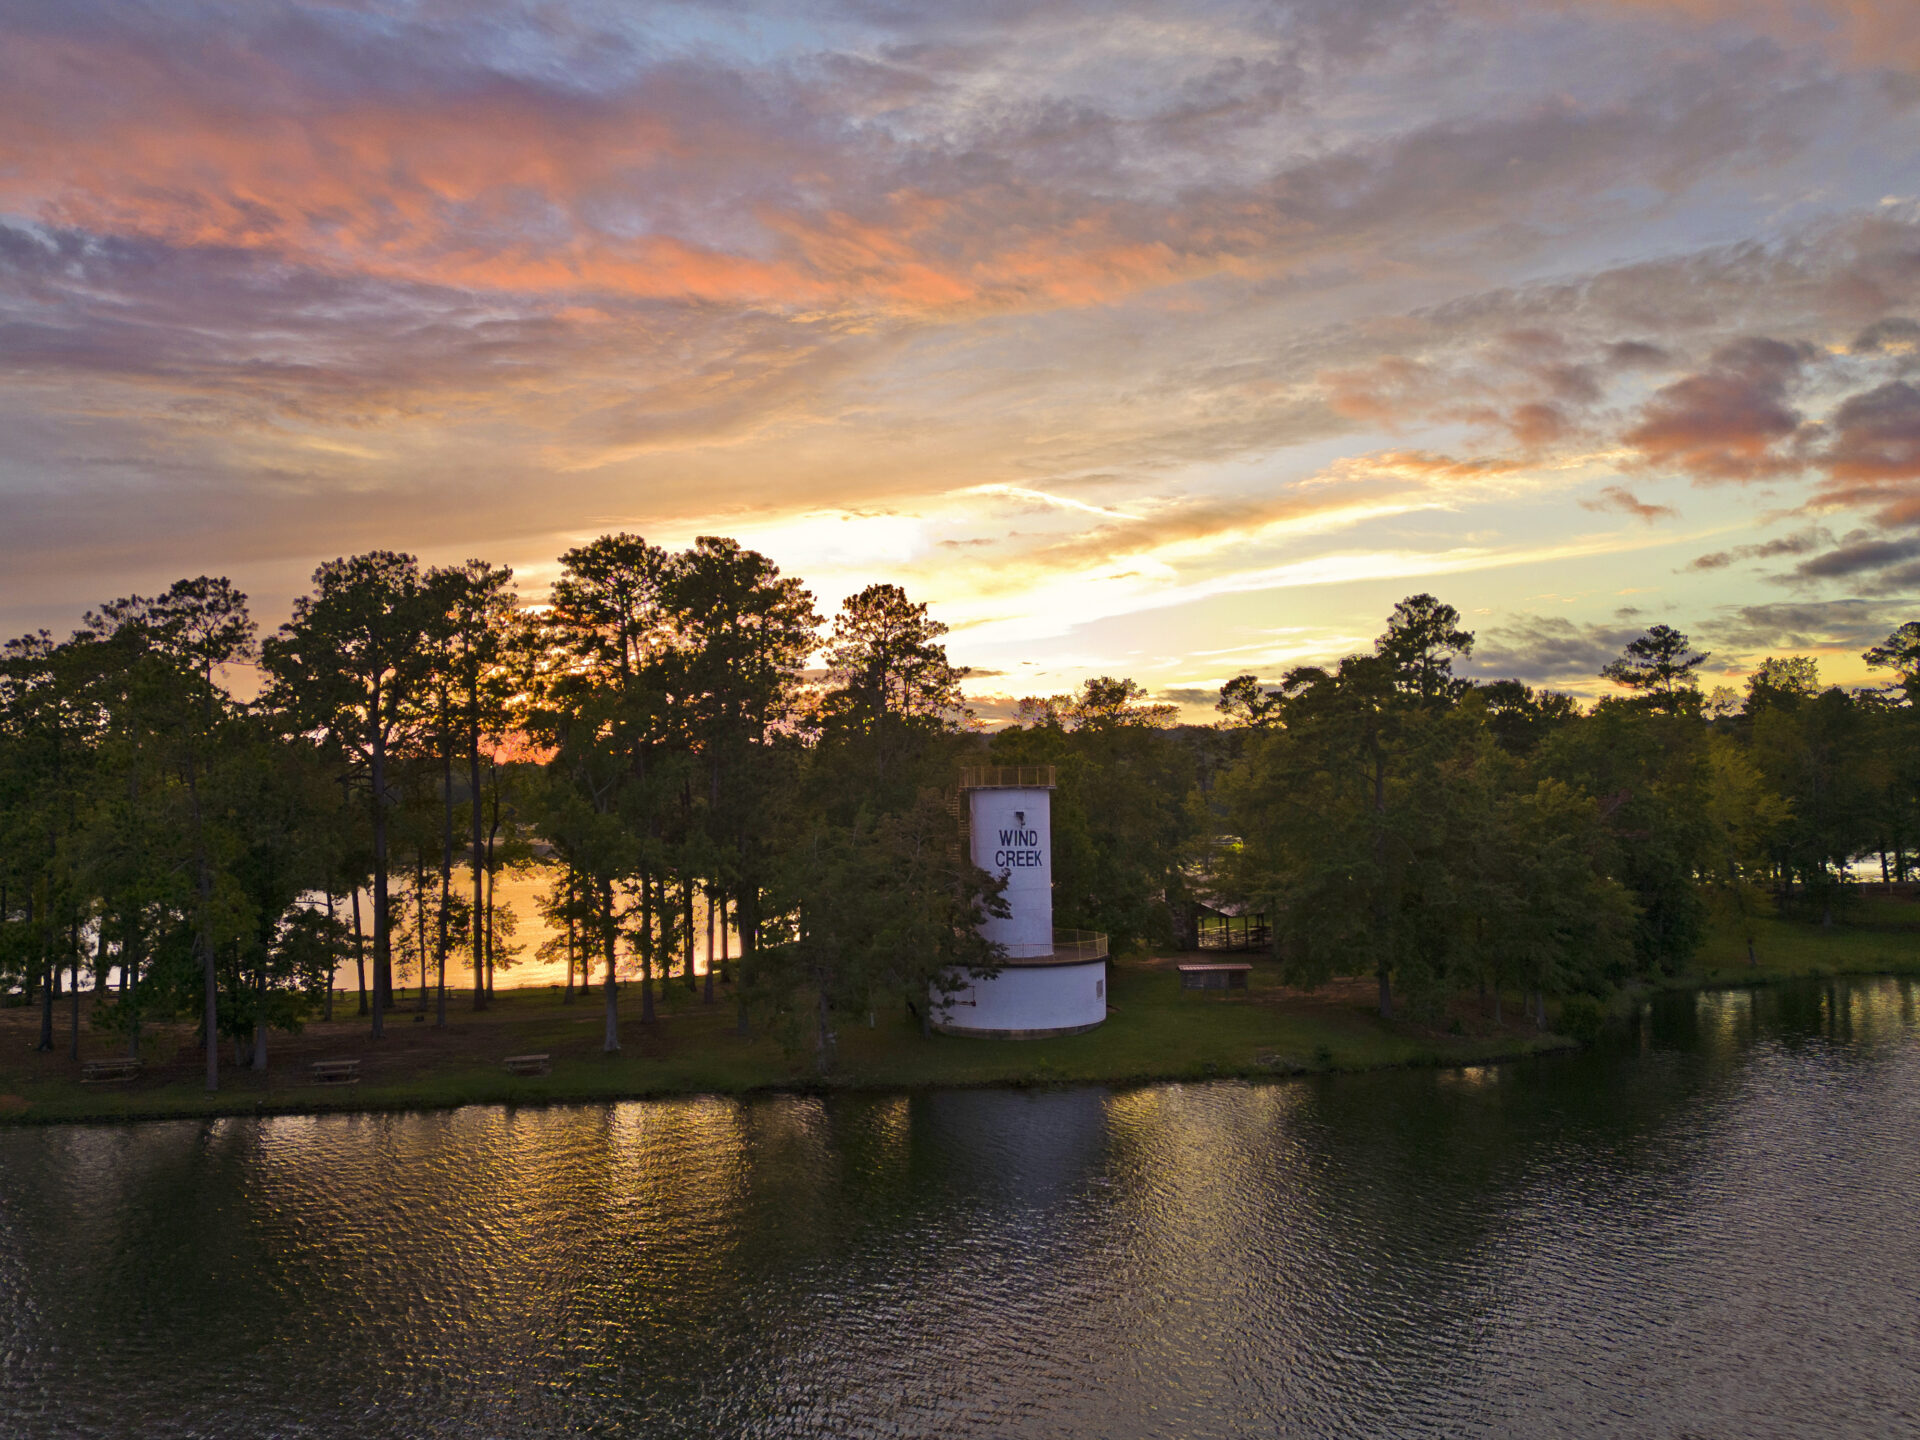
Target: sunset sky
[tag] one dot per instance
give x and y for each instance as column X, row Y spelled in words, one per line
column 1169, row 341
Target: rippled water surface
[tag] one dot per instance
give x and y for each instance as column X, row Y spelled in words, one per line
column 1710, row 1230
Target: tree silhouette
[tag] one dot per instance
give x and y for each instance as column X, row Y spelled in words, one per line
column 1658, row 668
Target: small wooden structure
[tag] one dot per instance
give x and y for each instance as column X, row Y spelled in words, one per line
column 1231, row 929
column 105, row 1072
column 336, row 1072
column 529, row 1064
column 1214, row 975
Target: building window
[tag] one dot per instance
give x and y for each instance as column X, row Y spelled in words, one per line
column 1099, row 989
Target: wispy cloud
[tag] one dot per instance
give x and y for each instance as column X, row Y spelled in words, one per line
column 1623, row 500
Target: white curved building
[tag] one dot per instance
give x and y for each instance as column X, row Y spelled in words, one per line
column 1052, row 982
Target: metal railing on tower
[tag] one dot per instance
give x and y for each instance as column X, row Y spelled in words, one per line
column 1006, row 777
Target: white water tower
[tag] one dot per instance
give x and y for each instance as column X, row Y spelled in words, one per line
column 1052, row 982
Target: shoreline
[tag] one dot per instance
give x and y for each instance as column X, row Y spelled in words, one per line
column 1155, row 1033
column 510, row 1096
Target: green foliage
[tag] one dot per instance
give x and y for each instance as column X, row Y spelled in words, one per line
column 1120, row 822
column 350, row 669
column 1390, row 818
column 1582, row 1018
column 1782, row 682
column 1658, row 669
column 884, row 911
column 1900, row 653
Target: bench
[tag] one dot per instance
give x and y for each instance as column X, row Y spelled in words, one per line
column 1216, row 976
column 529, row 1064
column 336, row 1072
column 102, row 1072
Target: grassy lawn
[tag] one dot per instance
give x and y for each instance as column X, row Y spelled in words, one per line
column 1155, row 1031
column 1874, row 941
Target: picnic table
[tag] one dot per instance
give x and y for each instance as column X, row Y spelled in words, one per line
column 336, row 1072
column 529, row 1064
column 101, row 1072
column 1217, row 975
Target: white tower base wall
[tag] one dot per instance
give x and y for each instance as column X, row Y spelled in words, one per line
column 1026, row 1002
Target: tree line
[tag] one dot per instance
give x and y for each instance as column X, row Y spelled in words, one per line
column 1445, row 836
column 687, row 745
column 652, row 731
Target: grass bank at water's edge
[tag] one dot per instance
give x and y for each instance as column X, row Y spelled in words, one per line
column 1155, row 1032
column 1879, row 943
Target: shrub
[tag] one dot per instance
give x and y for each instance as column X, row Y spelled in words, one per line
column 1581, row 1018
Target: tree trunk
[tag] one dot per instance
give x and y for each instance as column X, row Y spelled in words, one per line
column 73, row 1042
column 203, row 928
column 130, row 945
column 612, row 1045
column 49, row 985
column 420, row 915
column 493, row 880
column 1380, row 873
column 42, row 972
column 382, row 928
column 707, row 997
column 573, row 958
column 686, row 899
column 326, row 1006
column 746, row 907
column 446, row 886
column 259, row 1061
column 359, row 950
column 823, row 1038
column 479, row 939
column 210, row 1017
column 647, row 1016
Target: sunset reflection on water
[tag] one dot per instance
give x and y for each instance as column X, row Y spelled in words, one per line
column 523, row 889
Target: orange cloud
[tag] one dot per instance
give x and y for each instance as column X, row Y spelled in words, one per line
column 1873, row 458
column 1618, row 497
column 1727, row 422
column 503, row 187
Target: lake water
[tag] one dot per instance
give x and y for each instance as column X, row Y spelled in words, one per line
column 1705, row 1229
column 518, row 892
